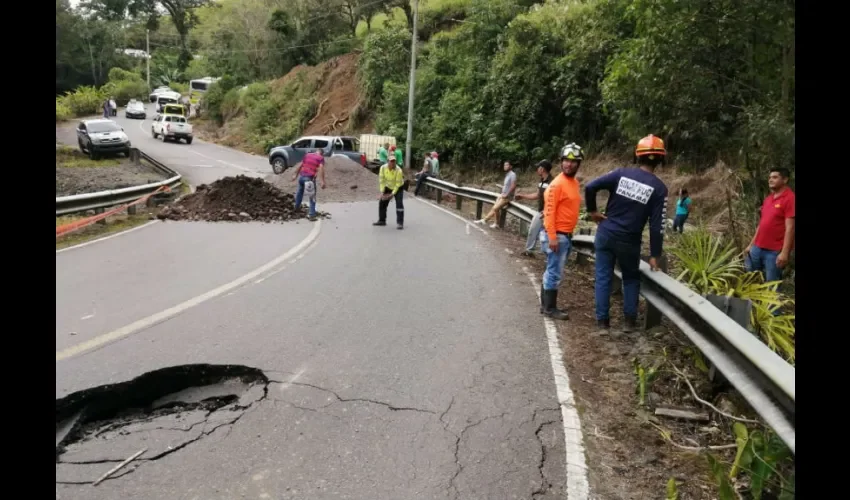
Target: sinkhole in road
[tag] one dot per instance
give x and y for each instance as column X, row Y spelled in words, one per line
column 160, row 411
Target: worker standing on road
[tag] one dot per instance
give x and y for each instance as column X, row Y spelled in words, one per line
column 382, row 153
column 637, row 195
column 561, row 207
column 390, row 182
column 312, row 165
column 544, row 170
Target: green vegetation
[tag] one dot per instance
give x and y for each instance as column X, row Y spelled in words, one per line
column 68, row 157
column 709, row 264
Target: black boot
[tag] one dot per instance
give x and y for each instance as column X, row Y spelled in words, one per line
column 542, row 300
column 603, row 324
column 629, row 324
column 550, row 305
column 379, row 223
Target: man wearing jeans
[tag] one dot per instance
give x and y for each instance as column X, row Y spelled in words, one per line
column 636, row 196
column 544, row 170
column 312, row 165
column 390, row 183
column 562, row 202
column 774, row 239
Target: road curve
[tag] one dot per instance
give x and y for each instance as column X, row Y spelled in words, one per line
column 406, row 364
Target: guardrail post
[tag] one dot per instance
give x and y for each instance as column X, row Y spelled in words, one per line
column 737, row 309
column 98, row 211
column 582, row 259
column 132, row 210
column 135, row 157
column 503, row 217
column 653, row 315
column 479, row 209
column 439, row 195
column 458, row 201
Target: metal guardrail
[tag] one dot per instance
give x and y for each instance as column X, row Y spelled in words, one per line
column 760, row 375
column 103, row 199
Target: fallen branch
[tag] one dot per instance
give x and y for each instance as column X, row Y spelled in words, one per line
column 119, row 466
column 666, row 435
column 319, row 111
column 706, row 403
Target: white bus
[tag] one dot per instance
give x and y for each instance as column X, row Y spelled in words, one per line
column 198, row 87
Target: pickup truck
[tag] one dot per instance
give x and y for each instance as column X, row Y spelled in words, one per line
column 174, row 127
column 284, row 157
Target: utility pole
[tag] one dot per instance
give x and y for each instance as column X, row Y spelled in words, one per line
column 148, row 55
column 407, row 158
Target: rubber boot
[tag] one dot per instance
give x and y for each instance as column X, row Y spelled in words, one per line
column 629, row 324
column 550, row 306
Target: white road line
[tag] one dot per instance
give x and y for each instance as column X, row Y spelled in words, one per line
column 119, row 233
column 578, row 487
column 159, row 317
column 282, row 268
column 238, row 167
column 577, row 483
column 456, row 216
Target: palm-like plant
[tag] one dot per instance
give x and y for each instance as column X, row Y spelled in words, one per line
column 775, row 327
column 708, row 264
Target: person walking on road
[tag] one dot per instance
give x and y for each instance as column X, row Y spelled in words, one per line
column 312, row 165
column 771, row 247
column 561, row 208
column 683, row 209
column 106, row 111
column 636, row 196
column 390, row 182
column 508, row 191
column 544, row 170
column 113, row 107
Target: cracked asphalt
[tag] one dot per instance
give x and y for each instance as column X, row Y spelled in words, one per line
column 401, row 364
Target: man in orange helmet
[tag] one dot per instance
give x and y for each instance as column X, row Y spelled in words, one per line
column 636, row 196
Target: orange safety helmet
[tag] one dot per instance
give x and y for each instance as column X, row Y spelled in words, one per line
column 650, row 146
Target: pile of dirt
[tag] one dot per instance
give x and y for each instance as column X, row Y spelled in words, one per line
column 238, row 199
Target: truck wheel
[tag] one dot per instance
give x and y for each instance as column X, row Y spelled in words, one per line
column 278, row 165
column 153, row 133
column 188, row 140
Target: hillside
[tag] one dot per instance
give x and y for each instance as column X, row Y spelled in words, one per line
column 322, row 99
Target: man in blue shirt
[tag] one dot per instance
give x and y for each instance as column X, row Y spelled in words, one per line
column 636, row 196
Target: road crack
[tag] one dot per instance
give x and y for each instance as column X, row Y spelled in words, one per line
column 340, row 399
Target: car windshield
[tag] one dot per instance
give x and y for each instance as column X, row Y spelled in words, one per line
column 167, row 100
column 100, row 127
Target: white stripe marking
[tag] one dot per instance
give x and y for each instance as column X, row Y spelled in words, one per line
column 159, row 317
column 456, row 216
column 577, row 483
column 119, row 233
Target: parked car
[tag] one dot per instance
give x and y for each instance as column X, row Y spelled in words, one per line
column 135, row 109
column 283, row 157
column 171, row 127
column 159, row 90
column 100, row 137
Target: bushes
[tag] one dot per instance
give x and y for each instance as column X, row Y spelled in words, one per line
column 83, row 102
column 63, row 111
column 124, row 90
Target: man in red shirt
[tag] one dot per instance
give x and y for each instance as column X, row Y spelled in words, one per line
column 774, row 239
column 312, row 165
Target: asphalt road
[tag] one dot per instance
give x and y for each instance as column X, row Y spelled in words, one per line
column 200, row 162
column 405, row 364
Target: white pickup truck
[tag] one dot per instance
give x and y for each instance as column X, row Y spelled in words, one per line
column 171, row 127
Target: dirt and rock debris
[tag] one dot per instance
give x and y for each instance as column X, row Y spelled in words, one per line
column 239, row 198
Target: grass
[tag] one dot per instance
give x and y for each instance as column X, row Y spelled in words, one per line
column 68, row 157
column 115, row 224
